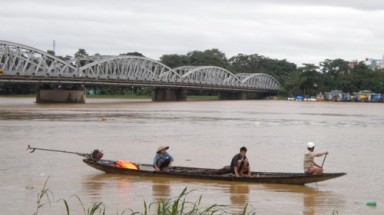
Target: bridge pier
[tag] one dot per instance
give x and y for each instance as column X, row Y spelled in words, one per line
column 169, row 94
column 228, row 95
column 60, row 96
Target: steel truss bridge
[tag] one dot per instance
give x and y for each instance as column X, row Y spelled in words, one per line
column 24, row 64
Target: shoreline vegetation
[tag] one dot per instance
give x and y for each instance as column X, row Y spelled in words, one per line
column 174, row 206
column 119, row 96
column 189, row 97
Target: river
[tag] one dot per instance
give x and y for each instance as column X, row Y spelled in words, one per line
column 200, row 134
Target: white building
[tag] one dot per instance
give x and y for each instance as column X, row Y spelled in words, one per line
column 374, row 63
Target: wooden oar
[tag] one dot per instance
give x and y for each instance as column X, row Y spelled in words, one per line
column 324, row 160
column 32, row 149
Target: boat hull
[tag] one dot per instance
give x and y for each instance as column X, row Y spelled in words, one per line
column 108, row 166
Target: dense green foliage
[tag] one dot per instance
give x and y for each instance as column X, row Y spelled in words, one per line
column 308, row 80
column 17, row 89
column 334, row 75
column 212, row 57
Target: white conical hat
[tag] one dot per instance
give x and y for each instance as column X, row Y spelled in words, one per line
column 162, row 147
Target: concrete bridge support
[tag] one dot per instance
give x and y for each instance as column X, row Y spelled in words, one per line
column 169, row 94
column 60, row 96
column 228, row 95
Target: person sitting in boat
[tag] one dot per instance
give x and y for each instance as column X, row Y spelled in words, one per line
column 240, row 164
column 310, row 167
column 245, row 169
column 162, row 158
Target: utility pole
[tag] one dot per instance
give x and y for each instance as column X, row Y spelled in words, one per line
column 54, row 47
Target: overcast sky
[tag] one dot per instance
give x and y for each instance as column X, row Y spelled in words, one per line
column 301, row 31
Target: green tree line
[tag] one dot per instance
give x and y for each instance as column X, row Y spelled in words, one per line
column 309, row 79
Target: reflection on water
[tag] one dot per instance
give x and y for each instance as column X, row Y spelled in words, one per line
column 161, row 190
column 107, row 186
column 94, row 184
column 239, row 193
column 200, row 134
column 314, row 200
column 97, row 186
column 309, row 204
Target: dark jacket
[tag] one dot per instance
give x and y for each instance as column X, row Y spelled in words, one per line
column 235, row 160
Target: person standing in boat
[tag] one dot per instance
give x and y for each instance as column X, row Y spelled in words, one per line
column 162, row 158
column 240, row 164
column 310, row 167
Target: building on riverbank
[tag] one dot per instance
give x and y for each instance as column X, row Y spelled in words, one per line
column 362, row 96
column 374, row 64
column 340, row 96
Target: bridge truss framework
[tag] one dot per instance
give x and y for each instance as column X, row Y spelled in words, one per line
column 21, row 63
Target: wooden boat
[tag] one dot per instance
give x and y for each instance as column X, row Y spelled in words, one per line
column 109, row 166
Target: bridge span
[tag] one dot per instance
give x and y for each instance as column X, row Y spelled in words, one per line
column 23, row 64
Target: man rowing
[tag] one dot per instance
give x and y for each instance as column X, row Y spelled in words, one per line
column 310, row 167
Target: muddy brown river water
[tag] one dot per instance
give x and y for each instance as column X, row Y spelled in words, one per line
column 200, row 134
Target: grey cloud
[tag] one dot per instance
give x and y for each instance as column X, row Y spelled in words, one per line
column 299, row 31
column 355, row 4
